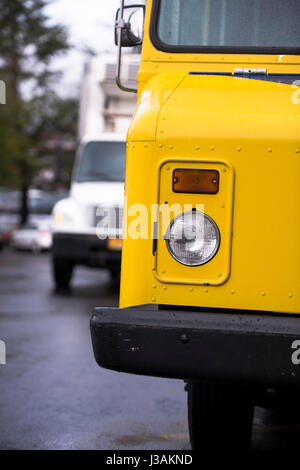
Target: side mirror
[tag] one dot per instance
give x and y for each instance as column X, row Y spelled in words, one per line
column 131, row 25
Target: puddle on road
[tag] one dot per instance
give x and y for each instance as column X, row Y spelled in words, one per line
column 138, row 440
column 135, row 436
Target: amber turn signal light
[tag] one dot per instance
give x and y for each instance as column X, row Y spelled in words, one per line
column 195, row 181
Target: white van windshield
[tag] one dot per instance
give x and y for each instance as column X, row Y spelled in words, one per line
column 102, row 161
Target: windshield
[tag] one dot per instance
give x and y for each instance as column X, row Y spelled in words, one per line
column 102, row 161
column 240, row 24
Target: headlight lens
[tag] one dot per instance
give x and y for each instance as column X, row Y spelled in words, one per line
column 193, row 238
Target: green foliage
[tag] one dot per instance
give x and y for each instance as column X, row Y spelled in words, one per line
column 49, row 114
column 28, row 42
column 54, row 121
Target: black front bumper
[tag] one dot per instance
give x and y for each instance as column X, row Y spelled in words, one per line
column 252, row 348
column 85, row 249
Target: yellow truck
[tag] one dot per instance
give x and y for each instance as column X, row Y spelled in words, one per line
column 210, row 281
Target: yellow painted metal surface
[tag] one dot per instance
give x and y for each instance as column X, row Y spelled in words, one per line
column 219, row 207
column 251, row 129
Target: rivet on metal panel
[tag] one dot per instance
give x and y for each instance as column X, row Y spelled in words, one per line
column 171, row 147
column 160, row 146
column 269, row 150
column 146, row 146
column 224, row 170
column 205, row 290
column 223, row 205
column 153, row 299
column 167, row 168
column 232, row 292
column 154, row 286
column 291, row 296
column 239, row 149
column 297, row 150
column 212, row 148
column 197, row 147
column 191, row 289
column 263, row 294
column 164, row 287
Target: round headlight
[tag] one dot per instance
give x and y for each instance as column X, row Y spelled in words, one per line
column 193, row 238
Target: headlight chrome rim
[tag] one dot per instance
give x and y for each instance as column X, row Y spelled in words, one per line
column 214, row 252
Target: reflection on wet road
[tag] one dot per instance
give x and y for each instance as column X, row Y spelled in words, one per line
column 54, row 396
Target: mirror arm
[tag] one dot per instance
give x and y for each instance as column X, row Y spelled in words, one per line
column 121, row 25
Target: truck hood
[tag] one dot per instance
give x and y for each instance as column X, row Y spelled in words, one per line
column 106, row 193
column 221, row 107
column 177, row 105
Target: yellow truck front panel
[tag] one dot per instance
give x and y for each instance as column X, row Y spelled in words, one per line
column 211, row 227
column 248, row 130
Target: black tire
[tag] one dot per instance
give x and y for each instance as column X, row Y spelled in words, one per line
column 220, row 416
column 62, row 272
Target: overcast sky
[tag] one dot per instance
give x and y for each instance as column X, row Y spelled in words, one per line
column 90, row 24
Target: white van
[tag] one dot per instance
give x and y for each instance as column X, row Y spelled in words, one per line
column 87, row 226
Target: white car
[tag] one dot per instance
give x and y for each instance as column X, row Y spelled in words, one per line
column 35, row 236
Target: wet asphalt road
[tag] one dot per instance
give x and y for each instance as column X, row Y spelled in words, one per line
column 54, row 396
column 52, row 393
